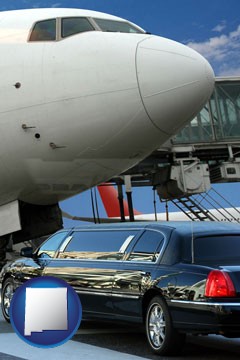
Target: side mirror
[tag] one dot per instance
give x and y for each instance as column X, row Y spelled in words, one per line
column 26, row 252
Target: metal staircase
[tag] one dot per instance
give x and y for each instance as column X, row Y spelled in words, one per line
column 195, row 207
column 192, row 209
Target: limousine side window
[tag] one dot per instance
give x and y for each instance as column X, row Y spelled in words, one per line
column 100, row 245
column 50, row 246
column 222, row 249
column 147, row 247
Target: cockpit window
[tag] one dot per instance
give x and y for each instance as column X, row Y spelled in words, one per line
column 75, row 25
column 117, row 26
column 44, row 31
column 60, row 28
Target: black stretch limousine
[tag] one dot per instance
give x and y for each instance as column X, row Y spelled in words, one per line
column 175, row 277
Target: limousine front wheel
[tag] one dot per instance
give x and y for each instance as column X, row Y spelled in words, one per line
column 6, row 297
column 161, row 335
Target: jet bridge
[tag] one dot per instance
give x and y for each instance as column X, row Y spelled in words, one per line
column 205, row 151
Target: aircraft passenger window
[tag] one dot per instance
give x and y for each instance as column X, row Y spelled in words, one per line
column 71, row 26
column 117, row 26
column 44, row 31
column 147, row 247
column 101, row 245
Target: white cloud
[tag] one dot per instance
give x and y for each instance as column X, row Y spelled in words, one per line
column 40, row 4
column 223, row 51
column 36, row 6
column 220, row 27
column 56, row 5
column 226, row 70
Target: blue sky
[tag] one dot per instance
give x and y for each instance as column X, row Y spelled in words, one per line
column 212, row 27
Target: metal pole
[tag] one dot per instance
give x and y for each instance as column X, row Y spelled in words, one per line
column 167, row 213
column 120, row 199
column 130, row 205
column 128, row 185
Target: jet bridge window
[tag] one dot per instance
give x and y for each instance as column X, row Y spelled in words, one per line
column 117, row 26
column 44, row 31
column 75, row 25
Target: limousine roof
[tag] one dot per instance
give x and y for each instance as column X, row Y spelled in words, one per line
column 183, row 228
column 181, row 235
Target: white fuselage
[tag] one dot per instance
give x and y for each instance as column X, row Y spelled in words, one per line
column 76, row 111
column 221, row 214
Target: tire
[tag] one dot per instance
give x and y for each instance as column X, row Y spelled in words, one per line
column 162, row 337
column 6, row 297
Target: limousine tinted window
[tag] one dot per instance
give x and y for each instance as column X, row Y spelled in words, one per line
column 217, row 249
column 97, row 245
column 147, row 247
column 52, row 244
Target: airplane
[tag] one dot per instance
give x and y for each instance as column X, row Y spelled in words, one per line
column 110, row 201
column 109, row 197
column 84, row 96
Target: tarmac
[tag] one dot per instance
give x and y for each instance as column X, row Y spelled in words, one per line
column 13, row 348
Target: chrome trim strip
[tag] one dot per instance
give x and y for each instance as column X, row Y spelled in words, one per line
column 104, row 260
column 204, row 303
column 93, row 292
column 126, row 296
column 65, row 243
column 126, row 243
column 107, row 294
column 112, row 229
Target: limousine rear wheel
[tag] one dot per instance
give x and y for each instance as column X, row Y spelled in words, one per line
column 6, row 297
column 161, row 335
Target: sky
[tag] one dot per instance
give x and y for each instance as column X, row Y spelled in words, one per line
column 212, row 27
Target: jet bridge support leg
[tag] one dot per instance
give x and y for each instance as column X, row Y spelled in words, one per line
column 130, row 206
column 121, row 203
column 128, row 185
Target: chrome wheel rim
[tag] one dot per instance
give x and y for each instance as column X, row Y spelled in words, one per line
column 156, row 326
column 7, row 297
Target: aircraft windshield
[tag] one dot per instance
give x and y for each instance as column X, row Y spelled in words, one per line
column 44, row 31
column 117, row 26
column 71, row 26
column 47, row 30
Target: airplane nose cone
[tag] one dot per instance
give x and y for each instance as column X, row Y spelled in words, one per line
column 174, row 82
